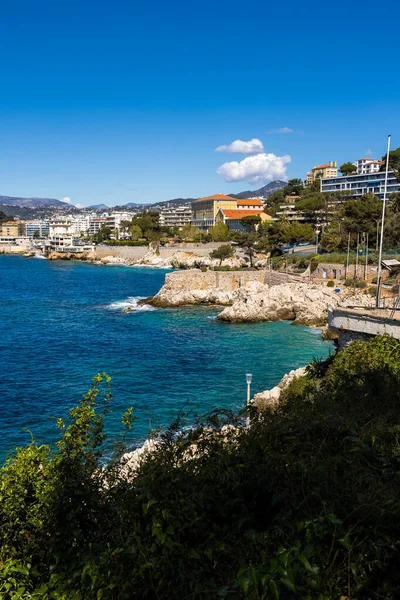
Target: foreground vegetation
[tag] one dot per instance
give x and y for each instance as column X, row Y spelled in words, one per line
column 304, row 504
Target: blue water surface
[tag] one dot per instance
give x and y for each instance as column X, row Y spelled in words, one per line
column 62, row 322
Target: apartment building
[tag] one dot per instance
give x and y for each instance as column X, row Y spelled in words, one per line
column 95, row 224
column 12, row 228
column 114, row 219
column 366, row 166
column 175, row 216
column 39, row 227
column 322, row 171
column 360, row 184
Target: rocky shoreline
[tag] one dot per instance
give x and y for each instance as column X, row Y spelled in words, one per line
column 255, row 296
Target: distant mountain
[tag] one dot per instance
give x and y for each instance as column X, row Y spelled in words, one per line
column 131, row 204
column 99, row 207
column 30, row 202
column 263, row 192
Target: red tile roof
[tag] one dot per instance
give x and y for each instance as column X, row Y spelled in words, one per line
column 215, row 197
column 247, row 202
column 240, row 214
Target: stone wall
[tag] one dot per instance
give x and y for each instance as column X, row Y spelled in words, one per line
column 338, row 271
column 138, row 252
column 228, row 281
column 13, row 249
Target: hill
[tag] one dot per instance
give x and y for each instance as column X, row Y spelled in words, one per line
column 263, row 192
column 30, row 202
column 98, row 207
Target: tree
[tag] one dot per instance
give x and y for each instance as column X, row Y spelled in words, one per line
column 223, row 252
column 220, row 232
column 135, row 232
column 190, row 233
column 147, row 220
column 251, row 222
column 293, row 188
column 347, row 168
column 362, row 214
column 332, row 239
column 394, row 162
column 36, row 234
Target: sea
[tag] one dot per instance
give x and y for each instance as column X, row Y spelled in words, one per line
column 62, row 322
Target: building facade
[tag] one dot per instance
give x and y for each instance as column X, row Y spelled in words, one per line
column 322, row 171
column 12, row 228
column 366, row 166
column 38, row 227
column 95, row 224
column 205, row 210
column 175, row 217
column 358, row 185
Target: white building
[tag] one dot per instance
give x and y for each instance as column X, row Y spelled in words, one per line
column 114, row 219
column 358, row 185
column 175, row 217
column 80, row 224
column 95, row 224
column 366, row 166
column 63, row 227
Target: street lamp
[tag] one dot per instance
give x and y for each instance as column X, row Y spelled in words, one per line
column 317, row 232
column 249, row 377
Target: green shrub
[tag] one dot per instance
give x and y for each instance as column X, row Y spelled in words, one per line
column 330, row 283
column 356, row 283
column 223, row 252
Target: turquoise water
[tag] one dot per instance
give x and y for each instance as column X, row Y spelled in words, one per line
column 61, row 322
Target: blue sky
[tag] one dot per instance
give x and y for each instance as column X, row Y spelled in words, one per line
column 126, row 101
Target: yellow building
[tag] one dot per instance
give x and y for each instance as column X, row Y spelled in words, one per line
column 12, row 228
column 206, row 209
column 322, row 172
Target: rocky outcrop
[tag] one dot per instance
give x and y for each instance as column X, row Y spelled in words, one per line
column 270, row 398
column 131, row 460
column 195, row 287
column 86, row 256
column 302, row 303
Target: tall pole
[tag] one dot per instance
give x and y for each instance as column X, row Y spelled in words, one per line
column 379, row 280
column 348, row 257
column 366, row 259
column 356, row 267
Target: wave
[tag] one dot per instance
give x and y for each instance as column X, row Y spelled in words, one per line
column 131, row 304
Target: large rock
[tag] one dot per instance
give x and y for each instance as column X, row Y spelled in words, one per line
column 271, row 398
column 302, row 303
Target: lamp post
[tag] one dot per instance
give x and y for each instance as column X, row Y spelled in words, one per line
column 317, row 232
column 249, row 377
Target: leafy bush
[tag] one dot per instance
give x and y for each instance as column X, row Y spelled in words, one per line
column 302, row 504
column 330, row 283
column 356, row 283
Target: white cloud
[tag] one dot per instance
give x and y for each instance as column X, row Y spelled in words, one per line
column 369, row 153
column 253, row 146
column 256, row 169
column 282, row 130
column 67, row 199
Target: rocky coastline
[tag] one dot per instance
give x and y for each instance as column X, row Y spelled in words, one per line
column 252, row 296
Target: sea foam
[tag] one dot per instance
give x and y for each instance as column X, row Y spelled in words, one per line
column 131, row 303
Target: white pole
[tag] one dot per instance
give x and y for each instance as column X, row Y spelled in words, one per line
column 378, row 287
column 248, row 404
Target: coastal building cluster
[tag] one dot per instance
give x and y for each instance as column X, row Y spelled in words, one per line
column 79, row 229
